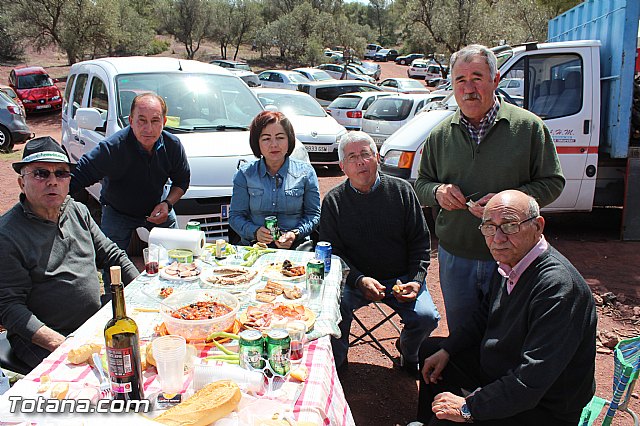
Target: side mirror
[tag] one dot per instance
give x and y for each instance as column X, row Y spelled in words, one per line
column 89, row 118
column 55, row 80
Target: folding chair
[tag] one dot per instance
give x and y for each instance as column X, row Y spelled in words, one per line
column 368, row 331
column 627, row 365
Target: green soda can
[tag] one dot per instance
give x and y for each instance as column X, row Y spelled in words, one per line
column 271, row 223
column 251, row 349
column 193, row 225
column 279, row 350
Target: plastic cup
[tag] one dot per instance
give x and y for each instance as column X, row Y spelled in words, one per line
column 151, row 260
column 169, row 353
column 315, row 291
column 297, row 332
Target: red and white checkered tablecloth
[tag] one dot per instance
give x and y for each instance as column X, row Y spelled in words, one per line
column 321, row 400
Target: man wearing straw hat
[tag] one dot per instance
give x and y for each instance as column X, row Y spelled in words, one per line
column 51, row 250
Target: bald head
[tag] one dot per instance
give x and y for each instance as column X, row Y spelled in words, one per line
column 514, row 219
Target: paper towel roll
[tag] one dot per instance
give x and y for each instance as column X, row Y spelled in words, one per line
column 171, row 238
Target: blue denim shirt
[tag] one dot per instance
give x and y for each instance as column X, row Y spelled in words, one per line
column 292, row 195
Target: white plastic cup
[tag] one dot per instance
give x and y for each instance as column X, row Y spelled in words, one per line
column 169, row 353
column 250, row 381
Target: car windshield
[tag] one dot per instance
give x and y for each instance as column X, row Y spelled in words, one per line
column 32, row 81
column 345, row 102
column 297, row 78
column 293, row 104
column 320, row 75
column 389, row 109
column 411, row 84
column 245, row 67
column 194, row 101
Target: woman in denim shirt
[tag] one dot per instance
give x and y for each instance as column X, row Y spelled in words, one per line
column 274, row 185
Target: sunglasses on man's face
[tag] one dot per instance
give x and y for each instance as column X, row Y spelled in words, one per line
column 43, row 174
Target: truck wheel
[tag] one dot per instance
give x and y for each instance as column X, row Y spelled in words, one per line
column 6, row 144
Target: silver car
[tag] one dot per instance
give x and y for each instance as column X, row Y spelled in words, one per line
column 388, row 114
column 13, row 127
column 318, row 131
column 348, row 109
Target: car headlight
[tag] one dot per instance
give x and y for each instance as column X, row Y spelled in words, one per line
column 27, row 101
column 399, row 159
column 340, row 135
column 55, row 98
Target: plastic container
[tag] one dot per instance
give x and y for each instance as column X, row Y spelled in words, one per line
column 198, row 329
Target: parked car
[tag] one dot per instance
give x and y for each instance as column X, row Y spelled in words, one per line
column 317, row 130
column 314, row 74
column 424, row 69
column 35, row 88
column 249, row 77
column 437, row 81
column 7, row 90
column 209, row 110
column 326, row 91
column 370, row 50
column 408, row 59
column 513, row 86
column 13, row 127
column 372, row 69
column 336, row 71
column 385, row 55
column 388, row 114
column 347, row 109
column 402, row 85
column 281, row 79
column 227, row 63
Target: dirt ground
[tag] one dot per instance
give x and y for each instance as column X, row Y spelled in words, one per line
column 380, row 395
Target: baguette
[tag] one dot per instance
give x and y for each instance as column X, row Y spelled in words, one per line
column 209, row 404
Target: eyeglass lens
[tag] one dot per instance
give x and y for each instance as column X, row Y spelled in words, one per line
column 365, row 156
column 42, row 174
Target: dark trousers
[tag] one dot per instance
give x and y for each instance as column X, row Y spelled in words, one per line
column 462, row 375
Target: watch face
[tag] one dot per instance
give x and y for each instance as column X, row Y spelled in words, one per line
column 464, row 410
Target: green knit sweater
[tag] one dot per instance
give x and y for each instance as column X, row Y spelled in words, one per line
column 516, row 153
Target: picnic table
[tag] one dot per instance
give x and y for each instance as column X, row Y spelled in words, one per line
column 318, row 400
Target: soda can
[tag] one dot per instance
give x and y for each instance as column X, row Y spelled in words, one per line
column 251, row 349
column 193, row 225
column 271, row 223
column 279, row 350
column 315, row 271
column 323, row 252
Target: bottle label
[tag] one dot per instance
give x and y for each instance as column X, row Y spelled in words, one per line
column 120, row 362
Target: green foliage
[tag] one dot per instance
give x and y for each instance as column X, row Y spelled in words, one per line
column 10, row 49
column 188, row 21
column 158, row 46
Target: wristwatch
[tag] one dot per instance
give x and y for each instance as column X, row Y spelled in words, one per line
column 168, row 203
column 466, row 414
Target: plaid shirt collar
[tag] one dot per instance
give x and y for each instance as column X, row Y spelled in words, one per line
column 477, row 133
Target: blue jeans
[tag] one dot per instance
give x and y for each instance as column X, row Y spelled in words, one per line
column 464, row 282
column 118, row 228
column 419, row 317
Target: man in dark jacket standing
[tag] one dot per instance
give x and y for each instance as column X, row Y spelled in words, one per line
column 527, row 355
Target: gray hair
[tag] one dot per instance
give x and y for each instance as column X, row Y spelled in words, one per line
column 355, row 136
column 468, row 53
column 534, row 208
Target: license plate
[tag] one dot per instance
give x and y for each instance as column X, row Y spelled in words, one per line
column 43, row 106
column 317, row 148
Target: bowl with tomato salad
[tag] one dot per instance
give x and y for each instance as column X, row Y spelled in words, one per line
column 195, row 314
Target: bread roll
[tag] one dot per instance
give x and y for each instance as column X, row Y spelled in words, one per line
column 209, row 404
column 59, row 390
column 83, row 353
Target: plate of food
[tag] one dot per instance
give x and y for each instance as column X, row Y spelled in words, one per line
column 230, row 277
column 285, row 271
column 268, row 315
column 273, row 291
column 181, row 271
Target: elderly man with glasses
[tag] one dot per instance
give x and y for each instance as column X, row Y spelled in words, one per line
column 375, row 224
column 48, row 278
column 527, row 355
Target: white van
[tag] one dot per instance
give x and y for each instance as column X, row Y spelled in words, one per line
column 210, row 110
column 370, row 50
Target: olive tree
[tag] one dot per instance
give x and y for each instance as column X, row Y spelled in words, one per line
column 188, row 21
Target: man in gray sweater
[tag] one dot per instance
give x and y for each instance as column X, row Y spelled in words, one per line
column 527, row 355
column 48, row 278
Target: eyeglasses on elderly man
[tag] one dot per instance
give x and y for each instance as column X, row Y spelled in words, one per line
column 489, row 229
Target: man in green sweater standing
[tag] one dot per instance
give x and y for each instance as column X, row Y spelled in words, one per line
column 375, row 224
column 526, row 357
column 487, row 146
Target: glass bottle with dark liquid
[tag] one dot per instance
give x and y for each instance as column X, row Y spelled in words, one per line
column 123, row 349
